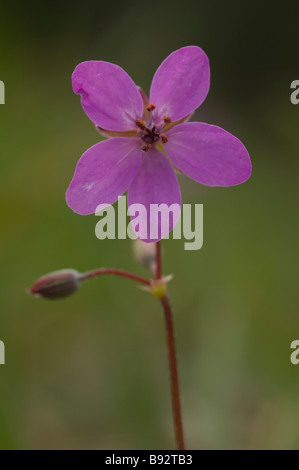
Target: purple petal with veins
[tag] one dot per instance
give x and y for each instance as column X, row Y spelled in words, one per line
column 156, row 184
column 208, row 154
column 103, row 173
column 181, row 83
column 109, row 96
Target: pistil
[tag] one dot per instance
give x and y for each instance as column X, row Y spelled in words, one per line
column 149, row 133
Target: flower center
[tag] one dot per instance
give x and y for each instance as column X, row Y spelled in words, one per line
column 150, row 136
column 150, row 133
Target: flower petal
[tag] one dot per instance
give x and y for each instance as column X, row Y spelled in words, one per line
column 103, row 173
column 109, row 96
column 155, row 184
column 181, row 83
column 208, row 154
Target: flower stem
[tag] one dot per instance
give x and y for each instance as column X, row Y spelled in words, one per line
column 172, row 358
column 115, row 272
column 173, row 368
column 158, row 260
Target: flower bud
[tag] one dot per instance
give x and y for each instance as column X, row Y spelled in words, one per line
column 57, row 284
column 145, row 253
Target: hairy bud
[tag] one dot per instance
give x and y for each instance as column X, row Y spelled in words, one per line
column 57, row 284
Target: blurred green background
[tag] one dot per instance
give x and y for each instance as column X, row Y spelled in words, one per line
column 90, row 372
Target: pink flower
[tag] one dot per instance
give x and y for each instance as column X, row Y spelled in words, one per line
column 149, row 139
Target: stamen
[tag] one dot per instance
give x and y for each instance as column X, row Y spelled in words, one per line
column 151, row 107
column 140, row 124
column 166, row 119
column 146, row 147
column 164, row 138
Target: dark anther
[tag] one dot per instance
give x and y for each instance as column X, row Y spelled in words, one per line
column 151, row 107
column 146, row 147
column 166, row 119
column 140, row 124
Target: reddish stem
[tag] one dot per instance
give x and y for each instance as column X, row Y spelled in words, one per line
column 172, row 358
column 158, row 260
column 115, row 272
column 173, row 368
column 174, row 376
